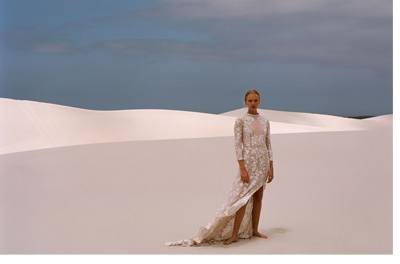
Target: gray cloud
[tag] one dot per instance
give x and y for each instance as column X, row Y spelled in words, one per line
column 328, row 33
column 256, row 9
column 352, row 33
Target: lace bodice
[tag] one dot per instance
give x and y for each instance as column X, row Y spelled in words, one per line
column 250, row 131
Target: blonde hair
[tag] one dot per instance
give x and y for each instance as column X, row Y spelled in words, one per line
column 249, row 91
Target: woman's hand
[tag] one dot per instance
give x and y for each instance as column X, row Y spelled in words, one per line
column 270, row 174
column 244, row 175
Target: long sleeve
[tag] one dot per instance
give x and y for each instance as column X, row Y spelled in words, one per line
column 268, row 141
column 238, row 136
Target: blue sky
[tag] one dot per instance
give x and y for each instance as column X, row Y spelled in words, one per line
column 319, row 56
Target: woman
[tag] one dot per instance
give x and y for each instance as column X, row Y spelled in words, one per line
column 239, row 216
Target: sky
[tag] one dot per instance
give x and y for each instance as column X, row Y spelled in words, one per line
column 317, row 56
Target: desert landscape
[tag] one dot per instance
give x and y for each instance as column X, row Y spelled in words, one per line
column 75, row 180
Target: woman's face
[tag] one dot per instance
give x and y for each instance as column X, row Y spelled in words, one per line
column 252, row 101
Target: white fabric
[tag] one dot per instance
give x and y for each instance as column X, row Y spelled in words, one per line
column 253, row 145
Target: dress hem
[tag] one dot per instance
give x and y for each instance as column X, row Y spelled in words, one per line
column 195, row 241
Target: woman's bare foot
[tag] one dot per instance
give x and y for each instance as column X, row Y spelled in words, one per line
column 258, row 234
column 230, row 240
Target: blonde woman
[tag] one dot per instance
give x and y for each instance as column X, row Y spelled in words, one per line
column 239, row 216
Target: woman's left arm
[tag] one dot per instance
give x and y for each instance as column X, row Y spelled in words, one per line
column 268, row 142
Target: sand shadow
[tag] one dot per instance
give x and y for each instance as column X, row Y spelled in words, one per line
column 270, row 232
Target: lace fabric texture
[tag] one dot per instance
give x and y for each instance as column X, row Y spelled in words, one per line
column 253, row 145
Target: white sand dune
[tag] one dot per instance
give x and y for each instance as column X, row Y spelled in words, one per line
column 82, row 181
column 30, row 125
column 383, row 121
column 335, row 123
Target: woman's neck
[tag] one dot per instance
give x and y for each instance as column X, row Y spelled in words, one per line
column 252, row 112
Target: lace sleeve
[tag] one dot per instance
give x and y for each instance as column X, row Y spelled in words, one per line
column 268, row 141
column 238, row 135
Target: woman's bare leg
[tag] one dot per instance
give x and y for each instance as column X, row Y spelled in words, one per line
column 257, row 202
column 238, row 220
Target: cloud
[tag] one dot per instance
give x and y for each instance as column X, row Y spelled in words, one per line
column 52, row 48
column 333, row 33
column 38, row 40
column 255, row 9
column 327, row 33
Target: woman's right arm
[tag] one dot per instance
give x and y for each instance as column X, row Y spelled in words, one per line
column 238, row 135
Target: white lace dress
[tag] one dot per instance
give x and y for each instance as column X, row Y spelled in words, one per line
column 253, row 145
